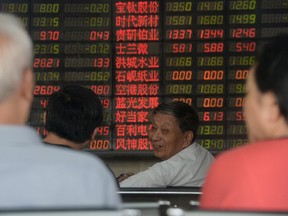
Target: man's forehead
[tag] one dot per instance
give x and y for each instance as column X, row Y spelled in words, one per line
column 165, row 119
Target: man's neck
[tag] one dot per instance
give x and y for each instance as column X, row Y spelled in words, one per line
column 54, row 139
column 275, row 131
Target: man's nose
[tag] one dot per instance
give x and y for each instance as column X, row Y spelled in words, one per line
column 156, row 135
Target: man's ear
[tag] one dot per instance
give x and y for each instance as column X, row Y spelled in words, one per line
column 27, row 85
column 270, row 107
column 86, row 143
column 94, row 134
column 188, row 137
column 44, row 120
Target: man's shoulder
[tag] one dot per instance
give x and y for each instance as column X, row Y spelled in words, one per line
column 70, row 157
column 194, row 152
column 232, row 155
column 200, row 148
column 249, row 154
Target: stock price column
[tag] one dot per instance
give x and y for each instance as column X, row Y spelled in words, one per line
column 249, row 23
column 211, row 74
column 137, row 71
column 242, row 27
column 194, row 64
column 179, row 70
column 87, row 56
column 45, row 32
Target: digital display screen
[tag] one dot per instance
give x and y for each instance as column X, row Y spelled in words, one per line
column 137, row 54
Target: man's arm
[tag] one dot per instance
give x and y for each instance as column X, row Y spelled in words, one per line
column 155, row 176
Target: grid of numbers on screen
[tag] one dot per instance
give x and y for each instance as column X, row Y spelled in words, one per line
column 136, row 54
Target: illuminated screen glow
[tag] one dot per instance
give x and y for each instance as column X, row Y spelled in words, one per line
column 137, row 54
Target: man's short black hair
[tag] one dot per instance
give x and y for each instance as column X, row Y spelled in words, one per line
column 73, row 113
column 271, row 70
column 185, row 114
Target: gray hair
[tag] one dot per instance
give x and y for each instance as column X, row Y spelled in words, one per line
column 16, row 54
column 185, row 114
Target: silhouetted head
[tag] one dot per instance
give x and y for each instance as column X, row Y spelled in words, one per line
column 74, row 113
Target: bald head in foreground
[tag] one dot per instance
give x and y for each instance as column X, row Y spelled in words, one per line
column 35, row 175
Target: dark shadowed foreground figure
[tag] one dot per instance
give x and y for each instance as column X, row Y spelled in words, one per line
column 33, row 174
column 254, row 177
column 173, row 134
column 72, row 117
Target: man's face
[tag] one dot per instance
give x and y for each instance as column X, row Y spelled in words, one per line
column 253, row 110
column 166, row 136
